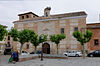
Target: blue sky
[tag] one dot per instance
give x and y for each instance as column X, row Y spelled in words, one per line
column 9, row 9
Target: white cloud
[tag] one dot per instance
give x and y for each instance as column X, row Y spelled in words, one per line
column 10, row 9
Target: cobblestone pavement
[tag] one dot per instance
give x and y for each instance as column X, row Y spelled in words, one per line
column 71, row 61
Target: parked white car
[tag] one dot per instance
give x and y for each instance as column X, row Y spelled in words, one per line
column 25, row 53
column 73, row 53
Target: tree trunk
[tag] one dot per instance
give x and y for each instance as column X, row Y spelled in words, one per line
column 83, row 49
column 21, row 48
column 13, row 46
column 57, row 48
column 35, row 49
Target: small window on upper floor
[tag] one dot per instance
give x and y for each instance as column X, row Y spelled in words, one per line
column 76, row 29
column 22, row 17
column 62, row 30
column 46, row 14
column 27, row 46
column 33, row 16
column 8, row 37
column 8, row 44
column 27, row 16
column 96, row 42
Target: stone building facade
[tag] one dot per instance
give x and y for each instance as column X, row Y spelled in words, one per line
column 94, row 43
column 49, row 24
column 6, row 44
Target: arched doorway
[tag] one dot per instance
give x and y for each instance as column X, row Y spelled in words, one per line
column 46, row 48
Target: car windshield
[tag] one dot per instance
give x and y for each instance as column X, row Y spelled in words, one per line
column 96, row 51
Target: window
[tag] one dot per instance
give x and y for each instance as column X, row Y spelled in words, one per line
column 27, row 46
column 96, row 42
column 22, row 17
column 27, row 16
column 96, row 51
column 8, row 45
column 62, row 30
column 76, row 29
column 46, row 14
column 8, row 37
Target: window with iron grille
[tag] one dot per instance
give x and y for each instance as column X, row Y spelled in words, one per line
column 27, row 16
column 76, row 29
column 62, row 30
column 96, row 42
column 27, row 46
column 8, row 37
column 46, row 14
column 22, row 17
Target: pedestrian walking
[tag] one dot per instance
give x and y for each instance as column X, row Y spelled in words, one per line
column 15, row 56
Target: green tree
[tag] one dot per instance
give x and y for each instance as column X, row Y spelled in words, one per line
column 14, row 34
column 42, row 38
column 36, row 40
column 83, row 38
column 57, row 38
column 3, row 32
column 25, row 36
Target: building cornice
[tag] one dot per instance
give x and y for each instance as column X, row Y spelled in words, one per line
column 50, row 19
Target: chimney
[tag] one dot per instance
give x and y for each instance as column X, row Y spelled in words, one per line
column 47, row 11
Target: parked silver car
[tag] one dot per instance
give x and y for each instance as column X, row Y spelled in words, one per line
column 73, row 53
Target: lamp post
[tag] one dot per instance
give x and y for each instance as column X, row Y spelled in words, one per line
column 42, row 48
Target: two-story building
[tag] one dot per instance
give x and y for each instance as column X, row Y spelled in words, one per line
column 94, row 43
column 49, row 24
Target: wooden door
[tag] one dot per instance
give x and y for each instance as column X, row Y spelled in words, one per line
column 46, row 48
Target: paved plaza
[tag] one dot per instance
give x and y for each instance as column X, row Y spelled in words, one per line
column 71, row 61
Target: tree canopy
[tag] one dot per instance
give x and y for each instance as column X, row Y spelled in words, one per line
column 21, row 36
column 83, row 38
column 25, row 36
column 36, row 40
column 3, row 32
column 56, row 38
column 14, row 34
column 42, row 38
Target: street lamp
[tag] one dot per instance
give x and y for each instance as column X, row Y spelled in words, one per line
column 42, row 48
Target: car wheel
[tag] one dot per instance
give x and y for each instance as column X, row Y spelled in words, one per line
column 65, row 54
column 91, row 55
column 77, row 55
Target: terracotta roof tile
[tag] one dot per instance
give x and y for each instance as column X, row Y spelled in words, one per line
column 28, row 13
